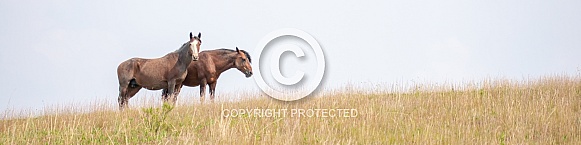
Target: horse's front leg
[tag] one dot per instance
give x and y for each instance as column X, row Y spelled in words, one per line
column 164, row 95
column 170, row 91
column 178, row 88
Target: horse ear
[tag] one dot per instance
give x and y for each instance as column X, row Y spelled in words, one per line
column 199, row 35
column 191, row 35
column 237, row 49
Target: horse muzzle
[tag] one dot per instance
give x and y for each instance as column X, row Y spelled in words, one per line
column 195, row 58
column 248, row 74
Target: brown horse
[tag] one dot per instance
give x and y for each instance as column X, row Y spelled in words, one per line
column 166, row 72
column 211, row 64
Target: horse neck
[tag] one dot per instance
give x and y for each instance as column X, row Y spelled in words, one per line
column 225, row 62
column 183, row 55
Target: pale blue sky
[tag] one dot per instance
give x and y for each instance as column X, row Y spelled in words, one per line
column 58, row 52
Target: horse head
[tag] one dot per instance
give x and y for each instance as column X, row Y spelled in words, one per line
column 195, row 42
column 243, row 61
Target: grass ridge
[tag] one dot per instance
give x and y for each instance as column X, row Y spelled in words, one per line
column 546, row 110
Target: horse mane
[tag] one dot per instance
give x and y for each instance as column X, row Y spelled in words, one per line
column 184, row 45
column 243, row 51
column 181, row 47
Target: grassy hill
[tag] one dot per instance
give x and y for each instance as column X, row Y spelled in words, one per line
column 540, row 111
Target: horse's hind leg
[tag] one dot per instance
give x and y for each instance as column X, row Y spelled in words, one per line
column 212, row 90
column 121, row 99
column 127, row 83
column 203, row 84
column 125, row 93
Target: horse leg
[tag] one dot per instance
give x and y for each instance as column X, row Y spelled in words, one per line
column 125, row 93
column 212, row 90
column 164, row 95
column 177, row 92
column 171, row 89
column 130, row 93
column 121, row 99
column 203, row 84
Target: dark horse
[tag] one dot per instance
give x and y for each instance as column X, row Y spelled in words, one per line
column 166, row 72
column 211, row 64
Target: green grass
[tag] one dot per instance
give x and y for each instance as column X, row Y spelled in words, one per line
column 540, row 111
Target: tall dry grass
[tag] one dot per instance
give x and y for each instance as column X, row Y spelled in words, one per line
column 536, row 111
